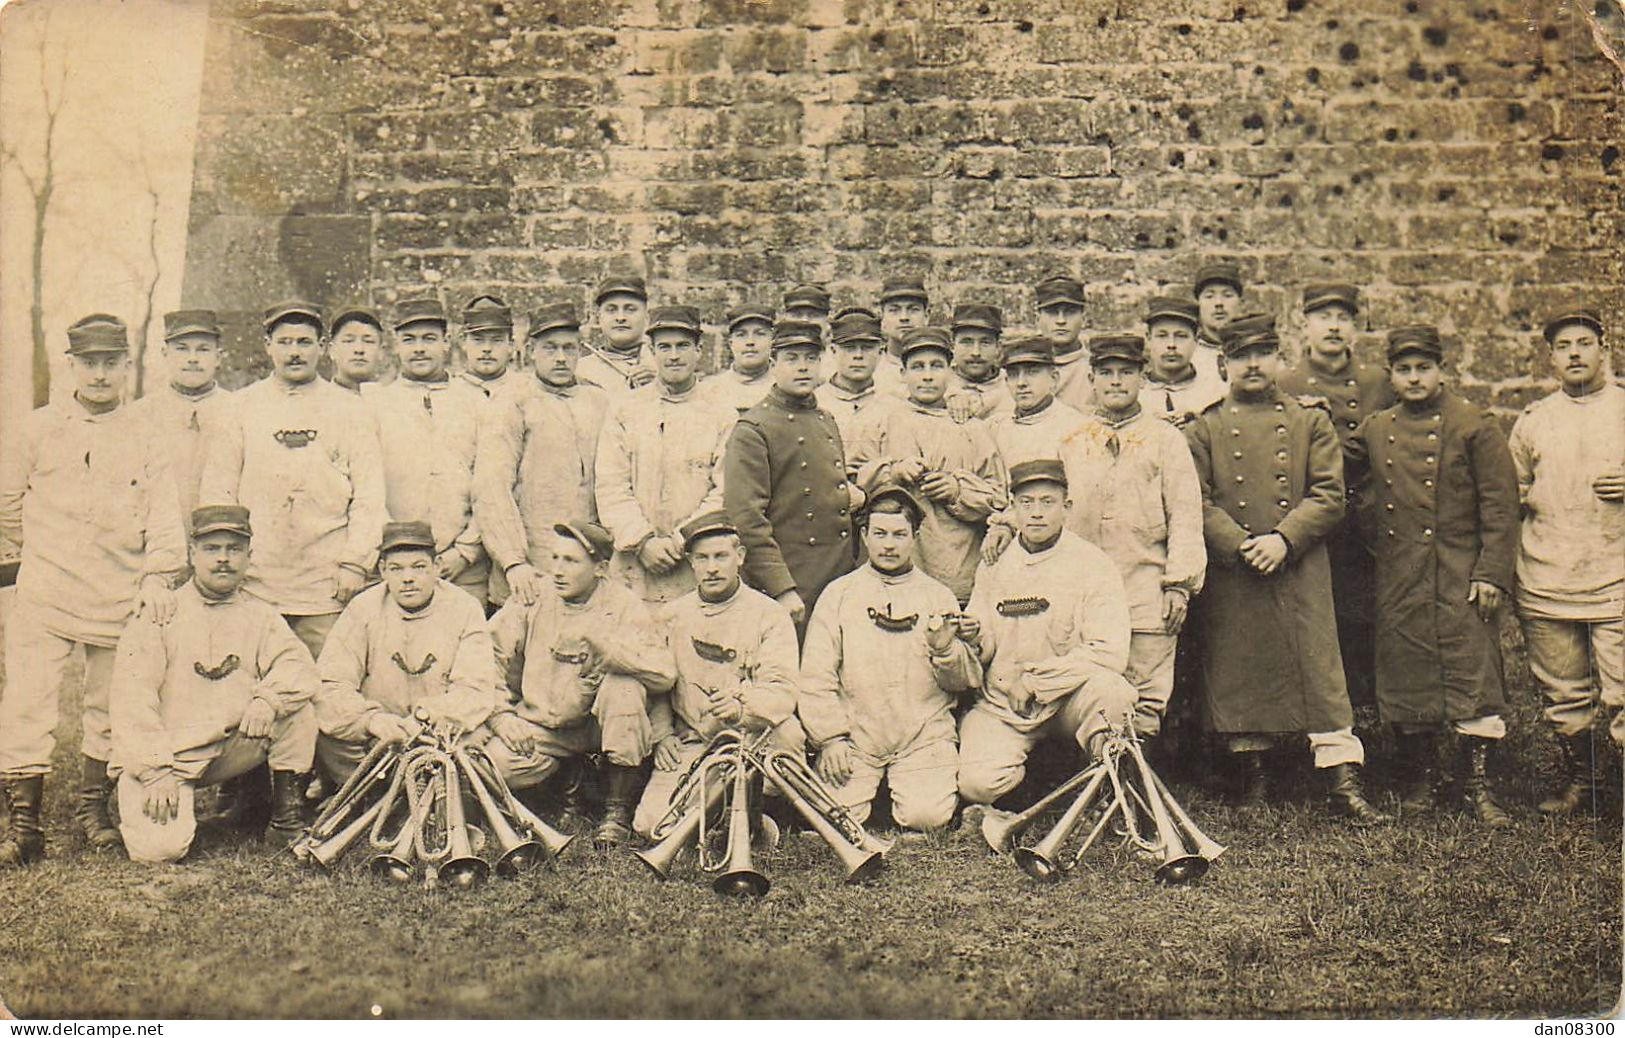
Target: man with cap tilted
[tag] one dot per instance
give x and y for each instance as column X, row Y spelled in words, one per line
column 428, row 424
column 976, row 386
column 748, row 376
column 1217, row 290
column 953, row 470
column 1050, row 622
column 182, row 415
column 1271, row 471
column 807, row 303
column 302, row 455
column 220, row 690
column 660, row 459
column 619, row 364
column 1137, row 499
column 412, row 641
column 1059, row 301
column 89, row 500
column 785, row 484
column 356, row 348
column 588, row 671
column 488, row 347
column 736, row 656
column 884, row 662
column 1176, row 388
column 1351, row 390
column 1441, row 501
column 856, row 396
column 537, row 454
column 1569, row 448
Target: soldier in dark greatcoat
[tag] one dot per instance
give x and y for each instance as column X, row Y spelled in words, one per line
column 1441, row 505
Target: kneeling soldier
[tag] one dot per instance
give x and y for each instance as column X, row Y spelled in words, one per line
column 223, row 688
column 583, row 663
column 883, row 664
column 1051, row 621
column 736, row 654
column 415, row 640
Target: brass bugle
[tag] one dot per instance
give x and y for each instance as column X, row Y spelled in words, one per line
column 517, row 853
column 394, row 858
column 664, row 853
column 1195, row 838
column 464, row 869
column 327, row 851
column 739, row 877
column 861, row 858
column 551, row 840
column 337, row 811
column 1001, row 829
column 1042, row 860
column 1179, row 862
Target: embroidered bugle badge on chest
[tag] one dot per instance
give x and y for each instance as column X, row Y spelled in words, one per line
column 294, row 438
column 1022, row 606
column 576, row 658
column 713, row 652
column 215, row 673
column 887, row 622
column 400, row 661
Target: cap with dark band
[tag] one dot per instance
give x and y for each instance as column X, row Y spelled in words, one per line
column 552, row 317
column 411, row 311
column 355, row 312
column 1029, row 349
column 855, row 326
column 1217, row 272
column 1173, row 308
column 181, row 323
column 894, row 492
column 623, row 285
column 893, row 289
column 684, row 319
column 292, row 308
column 704, row 526
column 1054, row 291
column 487, row 313
column 1331, row 293
column 98, row 333
column 220, row 518
column 789, row 334
column 978, row 315
column 929, row 338
column 738, row 315
column 594, row 538
column 1043, row 470
column 1253, row 331
column 414, row 534
column 1415, row 338
column 811, row 297
column 1116, row 347
column 1578, row 315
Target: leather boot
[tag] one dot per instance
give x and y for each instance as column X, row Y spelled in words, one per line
column 287, row 807
column 1579, row 791
column 1418, row 752
column 1346, row 799
column 91, row 811
column 227, row 807
column 572, row 793
column 1472, row 759
column 26, row 840
column 1255, row 780
column 620, row 793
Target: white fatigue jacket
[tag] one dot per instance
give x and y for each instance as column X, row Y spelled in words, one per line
column 989, row 396
column 185, row 685
column 304, row 460
column 1135, row 496
column 542, row 658
column 853, row 411
column 510, row 381
column 867, row 672
column 91, row 502
column 1051, row 619
column 614, row 372
column 1183, row 399
column 381, row 657
column 182, row 426
column 950, row 537
column 427, row 432
column 1033, row 436
column 743, row 647
column 660, row 461
column 534, row 468
column 1072, row 385
column 739, row 392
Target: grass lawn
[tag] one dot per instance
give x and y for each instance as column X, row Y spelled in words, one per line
column 1302, row 917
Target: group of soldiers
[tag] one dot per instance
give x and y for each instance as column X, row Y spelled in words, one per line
column 913, row 551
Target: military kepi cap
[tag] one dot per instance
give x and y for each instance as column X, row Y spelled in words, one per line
column 292, row 308
column 738, row 315
column 487, row 313
column 1054, row 291
column 1415, row 338
column 903, row 288
column 1250, row 332
column 355, row 312
column 1173, row 308
column 181, row 323
column 789, row 334
column 553, row 316
column 712, row 522
column 1042, row 470
column 1218, row 272
column 929, row 338
column 895, row 492
column 684, row 319
column 855, row 325
column 98, row 333
column 811, row 297
column 1578, row 315
column 414, row 534
column 1030, row 349
column 411, row 311
column 620, row 285
column 220, row 518
column 1116, row 347
column 1330, row 293
column 978, row 315
column 597, row 540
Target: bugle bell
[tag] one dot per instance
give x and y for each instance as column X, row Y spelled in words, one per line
column 739, row 877
column 516, row 853
column 863, row 855
column 1042, row 860
column 463, row 868
column 680, row 834
column 1193, row 838
column 552, row 841
column 1001, row 829
column 1179, row 862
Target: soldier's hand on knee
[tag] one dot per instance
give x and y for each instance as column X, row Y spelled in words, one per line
column 515, row 734
column 163, row 802
column 524, row 582
column 835, row 761
column 1175, row 604
column 998, row 538
column 257, row 719
column 668, row 753
column 155, row 600
column 1020, row 696
column 389, row 729
column 1487, row 597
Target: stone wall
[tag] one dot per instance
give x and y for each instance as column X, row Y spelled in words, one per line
column 1458, row 158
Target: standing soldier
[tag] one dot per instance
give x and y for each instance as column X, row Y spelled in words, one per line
column 785, row 481
column 1217, row 290
column 620, row 365
column 537, row 453
column 660, row 461
column 976, row 387
column 1570, row 452
column 1272, row 490
column 1442, row 502
column 356, row 339
column 183, row 415
column 904, row 306
column 88, row 499
column 953, row 467
column 1059, row 301
column 427, row 431
column 221, row 690
column 1137, row 498
column 488, row 347
column 855, row 397
column 302, row 456
column 1352, row 391
column 807, row 303
column 1176, row 389
column 748, row 376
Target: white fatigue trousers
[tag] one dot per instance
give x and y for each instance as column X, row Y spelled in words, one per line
column 289, row 748
column 922, row 777
column 1151, row 672
column 1329, row 748
column 656, row 800
column 37, row 665
column 1578, row 663
column 618, row 726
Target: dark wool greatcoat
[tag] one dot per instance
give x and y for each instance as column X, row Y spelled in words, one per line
column 1440, row 502
column 785, row 487
column 1269, row 644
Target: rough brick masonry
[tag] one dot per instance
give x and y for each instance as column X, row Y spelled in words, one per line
column 1459, row 158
